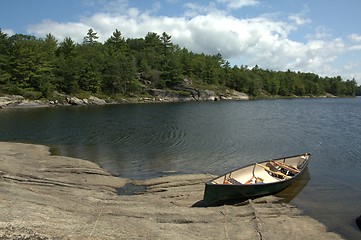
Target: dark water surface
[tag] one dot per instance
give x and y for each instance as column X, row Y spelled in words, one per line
column 148, row 140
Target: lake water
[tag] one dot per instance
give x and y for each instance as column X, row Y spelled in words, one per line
column 149, row 140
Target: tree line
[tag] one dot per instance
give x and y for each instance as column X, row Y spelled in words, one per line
column 38, row 67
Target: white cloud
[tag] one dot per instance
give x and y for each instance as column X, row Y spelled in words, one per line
column 299, row 20
column 355, row 47
column 193, row 9
column 196, row 9
column 355, row 37
column 321, row 32
column 352, row 65
column 356, row 42
column 110, row 6
column 351, row 70
column 262, row 40
column 8, row 31
column 156, row 6
column 75, row 30
column 235, row 4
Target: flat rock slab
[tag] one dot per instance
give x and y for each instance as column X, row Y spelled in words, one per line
column 52, row 197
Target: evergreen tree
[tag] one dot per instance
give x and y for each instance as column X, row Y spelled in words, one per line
column 167, row 44
column 67, row 70
column 26, row 63
column 66, row 48
column 350, row 87
column 116, row 44
column 91, row 37
column 4, row 59
column 117, row 74
column 91, row 62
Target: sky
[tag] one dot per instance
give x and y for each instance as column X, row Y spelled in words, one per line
column 319, row 36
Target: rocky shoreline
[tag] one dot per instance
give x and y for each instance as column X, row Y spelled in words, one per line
column 17, row 101
column 54, row 197
column 155, row 95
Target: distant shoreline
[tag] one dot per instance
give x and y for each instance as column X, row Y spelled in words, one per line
column 17, row 101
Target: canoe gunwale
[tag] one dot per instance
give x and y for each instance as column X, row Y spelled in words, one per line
column 303, row 167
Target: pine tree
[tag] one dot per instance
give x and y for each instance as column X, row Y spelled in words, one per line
column 91, row 37
column 4, row 58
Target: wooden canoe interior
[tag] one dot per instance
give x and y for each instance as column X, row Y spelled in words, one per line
column 249, row 174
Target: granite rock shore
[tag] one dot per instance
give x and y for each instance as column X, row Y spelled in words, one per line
column 156, row 95
column 54, row 197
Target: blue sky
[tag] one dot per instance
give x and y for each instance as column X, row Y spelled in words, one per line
column 320, row 36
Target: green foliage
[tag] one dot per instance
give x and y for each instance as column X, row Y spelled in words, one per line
column 36, row 68
column 83, row 94
column 4, row 58
column 358, row 91
column 31, row 94
column 66, row 48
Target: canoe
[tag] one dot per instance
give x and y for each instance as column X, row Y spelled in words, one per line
column 255, row 180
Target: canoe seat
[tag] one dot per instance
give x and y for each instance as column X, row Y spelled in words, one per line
column 231, row 181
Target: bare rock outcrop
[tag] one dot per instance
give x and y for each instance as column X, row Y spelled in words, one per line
column 92, row 100
column 16, row 101
column 53, row 197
